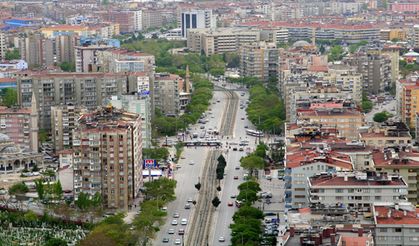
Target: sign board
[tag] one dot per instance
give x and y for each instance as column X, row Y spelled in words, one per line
column 150, row 163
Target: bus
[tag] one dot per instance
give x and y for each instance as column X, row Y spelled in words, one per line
column 254, row 133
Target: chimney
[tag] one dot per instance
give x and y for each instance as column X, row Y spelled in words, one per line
column 405, row 213
column 333, row 239
column 360, row 232
column 345, row 177
column 396, row 206
column 292, row 231
column 389, row 213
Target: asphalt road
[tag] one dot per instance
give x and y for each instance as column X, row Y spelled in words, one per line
column 187, row 176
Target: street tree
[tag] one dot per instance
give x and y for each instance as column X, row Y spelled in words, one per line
column 216, row 202
column 198, row 186
column 40, row 188
column 160, row 189
column 250, row 185
column 381, row 116
column 248, row 212
column 247, row 196
column 58, row 190
column 251, row 163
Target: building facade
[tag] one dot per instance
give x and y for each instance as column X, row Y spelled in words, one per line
column 63, row 122
column 260, row 60
column 107, row 156
column 166, row 93
column 193, row 19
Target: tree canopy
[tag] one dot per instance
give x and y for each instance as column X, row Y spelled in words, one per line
column 252, row 162
column 12, row 54
column 9, row 97
column 336, row 53
column 381, row 116
column 18, row 188
column 156, row 153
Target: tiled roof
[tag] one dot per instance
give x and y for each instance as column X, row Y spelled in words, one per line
column 334, row 180
column 306, row 157
column 397, row 217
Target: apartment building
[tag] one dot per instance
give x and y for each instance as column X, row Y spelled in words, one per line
column 386, row 135
column 21, row 125
column 87, row 58
column 405, row 163
column 3, row 45
column 193, row 19
column 120, row 60
column 107, row 156
column 63, row 122
column 167, row 88
column 78, row 89
column 139, row 104
column 220, row 40
column 409, row 101
column 347, row 121
column 259, row 60
column 347, row 78
column 303, row 164
column 356, row 190
column 152, row 18
column 396, row 224
column 276, row 35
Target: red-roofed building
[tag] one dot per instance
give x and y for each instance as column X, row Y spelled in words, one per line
column 357, row 190
column 303, row 164
column 396, row 224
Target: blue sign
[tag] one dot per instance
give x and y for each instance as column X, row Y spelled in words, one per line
column 143, row 93
column 150, row 163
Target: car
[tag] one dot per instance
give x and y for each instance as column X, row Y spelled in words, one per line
column 165, row 240
column 233, row 196
column 234, row 148
column 221, row 239
column 177, row 241
column 241, row 149
column 176, row 215
column 191, row 163
column 246, row 127
column 202, row 127
column 174, row 222
column 181, row 231
column 236, row 177
column 184, row 221
column 171, row 231
column 190, row 200
column 237, row 168
column 230, row 204
column 242, row 118
column 164, row 208
column 187, row 206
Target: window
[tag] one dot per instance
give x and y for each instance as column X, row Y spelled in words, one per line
column 378, row 198
column 398, row 229
column 339, row 190
column 350, row 190
column 339, row 198
column 383, row 229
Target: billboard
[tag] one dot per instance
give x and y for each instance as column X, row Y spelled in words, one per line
column 150, row 164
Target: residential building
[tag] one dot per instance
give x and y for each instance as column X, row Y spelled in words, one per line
column 3, row 46
column 78, row 89
column 126, row 19
column 409, row 103
column 386, row 134
column 396, row 224
column 403, row 162
column 276, row 35
column 120, row 60
column 13, row 65
column 151, row 18
column 21, row 125
column 358, row 190
column 220, row 40
column 30, row 49
column 193, row 19
column 108, row 156
column 259, row 60
column 302, row 164
column 87, row 57
column 139, row 104
column 347, row 121
column 63, row 122
column 166, row 93
column 393, row 34
column 393, row 52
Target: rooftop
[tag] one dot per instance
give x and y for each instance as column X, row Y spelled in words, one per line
column 356, row 179
column 386, row 215
column 306, row 157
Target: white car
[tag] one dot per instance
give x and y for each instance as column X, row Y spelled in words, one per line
column 221, row 239
column 177, row 241
column 171, row 231
column 174, row 222
column 184, row 221
column 176, row 215
column 190, row 200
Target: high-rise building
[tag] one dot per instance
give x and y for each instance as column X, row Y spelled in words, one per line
column 63, row 121
column 259, row 60
column 220, row 40
column 151, row 18
column 87, row 57
column 79, row 89
column 139, row 104
column 193, row 19
column 21, row 125
column 166, row 93
column 3, row 45
column 107, row 156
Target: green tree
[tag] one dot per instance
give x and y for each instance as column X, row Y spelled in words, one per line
column 381, row 116
column 55, row 242
column 247, row 196
column 12, row 54
column 248, row 212
column 261, row 150
column 216, row 202
column 43, row 135
column 40, row 188
column 68, row 67
column 156, row 153
column 160, row 189
column 30, row 216
column 252, row 162
column 336, row 53
column 18, row 188
column 232, row 59
column 83, row 201
column 58, row 190
column 366, row 106
column 9, row 97
column 250, row 185
column 198, row 186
